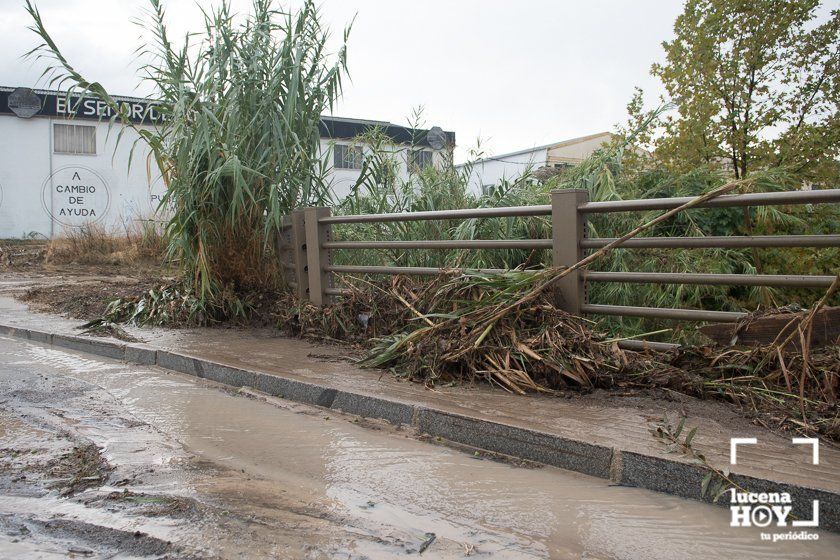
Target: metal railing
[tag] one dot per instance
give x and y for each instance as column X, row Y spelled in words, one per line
column 306, row 239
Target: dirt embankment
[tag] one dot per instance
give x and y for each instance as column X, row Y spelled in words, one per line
column 87, row 297
column 80, row 275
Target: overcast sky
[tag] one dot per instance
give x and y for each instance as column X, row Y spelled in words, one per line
column 514, row 73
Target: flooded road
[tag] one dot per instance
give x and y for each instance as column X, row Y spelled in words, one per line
column 101, row 460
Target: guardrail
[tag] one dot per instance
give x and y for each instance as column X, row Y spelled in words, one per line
column 306, row 238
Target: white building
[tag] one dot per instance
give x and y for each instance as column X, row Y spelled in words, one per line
column 490, row 171
column 60, row 170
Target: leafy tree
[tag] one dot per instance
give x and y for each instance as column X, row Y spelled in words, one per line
column 756, row 84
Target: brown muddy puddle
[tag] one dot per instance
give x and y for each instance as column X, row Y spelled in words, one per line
column 287, row 480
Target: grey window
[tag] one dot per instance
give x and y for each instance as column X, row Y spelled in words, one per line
column 347, row 157
column 74, row 139
column 419, row 159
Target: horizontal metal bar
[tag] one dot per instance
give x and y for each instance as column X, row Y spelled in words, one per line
column 752, row 199
column 718, row 242
column 463, row 214
column 408, row 270
column 443, row 244
column 663, row 313
column 647, row 345
column 799, row 281
column 336, row 291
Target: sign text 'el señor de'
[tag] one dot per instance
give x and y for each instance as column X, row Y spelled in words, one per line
column 57, row 104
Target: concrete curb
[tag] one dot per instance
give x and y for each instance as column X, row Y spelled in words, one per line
column 661, row 474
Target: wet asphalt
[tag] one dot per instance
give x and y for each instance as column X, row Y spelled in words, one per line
column 99, row 459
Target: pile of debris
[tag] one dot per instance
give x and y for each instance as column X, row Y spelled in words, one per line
column 461, row 327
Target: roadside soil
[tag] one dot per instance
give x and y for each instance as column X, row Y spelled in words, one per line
column 74, row 290
column 82, row 293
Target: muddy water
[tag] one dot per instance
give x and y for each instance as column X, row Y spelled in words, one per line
column 286, row 480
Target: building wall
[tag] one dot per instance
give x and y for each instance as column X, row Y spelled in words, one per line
column 24, row 165
column 46, row 193
column 491, row 171
column 342, row 180
column 578, row 151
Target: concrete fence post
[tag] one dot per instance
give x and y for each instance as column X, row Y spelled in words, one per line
column 568, row 228
column 317, row 258
column 301, row 278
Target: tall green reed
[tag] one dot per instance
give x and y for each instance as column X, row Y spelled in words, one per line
column 239, row 143
column 606, row 177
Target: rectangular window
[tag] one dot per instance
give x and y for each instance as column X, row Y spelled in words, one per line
column 347, row 157
column 419, row 159
column 74, row 139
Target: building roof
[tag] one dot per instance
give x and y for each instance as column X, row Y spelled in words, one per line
column 553, row 145
column 332, row 127
column 346, row 129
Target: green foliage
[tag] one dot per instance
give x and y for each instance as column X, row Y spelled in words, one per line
column 756, row 85
column 160, row 306
column 381, row 189
column 239, row 143
column 605, row 176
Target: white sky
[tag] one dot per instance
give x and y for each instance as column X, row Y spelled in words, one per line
column 514, row 73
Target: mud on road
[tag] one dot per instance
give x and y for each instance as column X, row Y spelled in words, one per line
column 81, row 474
column 105, row 460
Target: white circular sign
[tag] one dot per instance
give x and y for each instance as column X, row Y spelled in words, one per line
column 75, row 196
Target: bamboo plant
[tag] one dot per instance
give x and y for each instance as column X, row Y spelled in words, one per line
column 238, row 145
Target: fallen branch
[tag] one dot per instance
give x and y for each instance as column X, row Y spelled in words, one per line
column 552, row 275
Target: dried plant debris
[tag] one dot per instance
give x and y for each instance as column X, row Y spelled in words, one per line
column 462, row 327
column 108, row 329
column 448, row 329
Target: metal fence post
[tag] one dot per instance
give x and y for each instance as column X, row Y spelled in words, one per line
column 317, row 258
column 568, row 228
column 301, row 278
